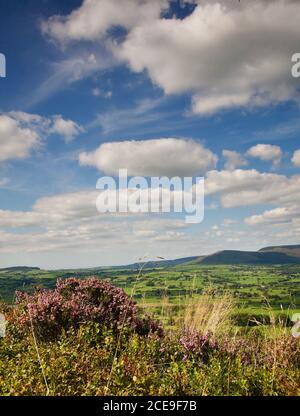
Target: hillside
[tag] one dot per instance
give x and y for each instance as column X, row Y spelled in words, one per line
column 156, row 264
column 266, row 255
column 248, row 257
column 19, row 269
column 291, row 250
column 289, row 254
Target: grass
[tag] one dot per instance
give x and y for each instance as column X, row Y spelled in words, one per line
column 209, row 313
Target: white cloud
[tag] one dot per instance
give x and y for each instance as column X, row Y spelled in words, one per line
column 80, row 208
column 98, row 93
column 266, row 152
column 21, row 133
column 296, row 158
column 68, row 223
column 213, row 102
column 158, row 157
column 227, row 222
column 234, row 159
column 250, row 187
column 227, row 56
column 93, row 19
column 67, row 231
column 54, row 211
column 274, row 216
column 72, row 68
column 16, row 141
column 66, row 128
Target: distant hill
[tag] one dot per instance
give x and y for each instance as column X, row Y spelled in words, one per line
column 291, row 250
column 159, row 263
column 266, row 255
column 249, row 257
column 289, row 254
column 19, row 269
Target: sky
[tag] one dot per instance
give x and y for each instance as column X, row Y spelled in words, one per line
column 197, row 88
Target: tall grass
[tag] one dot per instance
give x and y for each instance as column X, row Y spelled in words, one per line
column 209, row 313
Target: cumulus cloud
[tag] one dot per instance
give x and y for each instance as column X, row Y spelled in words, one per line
column 296, row 158
column 16, row 141
column 66, row 128
column 234, row 159
column 277, row 215
column 93, row 19
column 21, row 133
column 55, row 211
column 226, row 56
column 238, row 188
column 158, row 157
column 266, row 152
column 71, row 222
column 250, row 187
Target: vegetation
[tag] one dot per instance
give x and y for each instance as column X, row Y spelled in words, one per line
column 87, row 337
column 164, row 290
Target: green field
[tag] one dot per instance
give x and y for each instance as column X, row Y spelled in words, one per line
column 255, row 289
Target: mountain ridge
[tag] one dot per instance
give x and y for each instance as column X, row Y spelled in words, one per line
column 284, row 254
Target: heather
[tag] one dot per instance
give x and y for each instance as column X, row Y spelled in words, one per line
column 74, row 302
column 87, row 337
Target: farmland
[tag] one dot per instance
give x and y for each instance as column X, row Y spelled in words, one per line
column 159, row 290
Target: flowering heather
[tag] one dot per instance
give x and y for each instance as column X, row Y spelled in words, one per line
column 81, row 357
column 197, row 345
column 74, row 302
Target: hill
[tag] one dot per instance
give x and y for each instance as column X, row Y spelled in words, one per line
column 249, row 257
column 290, row 250
column 158, row 263
column 288, row 254
column 19, row 269
column 266, row 255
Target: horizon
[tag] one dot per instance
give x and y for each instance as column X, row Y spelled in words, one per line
column 166, row 88
column 145, row 261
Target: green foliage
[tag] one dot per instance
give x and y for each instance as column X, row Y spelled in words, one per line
column 84, row 362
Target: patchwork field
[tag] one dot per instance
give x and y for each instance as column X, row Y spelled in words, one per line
column 163, row 291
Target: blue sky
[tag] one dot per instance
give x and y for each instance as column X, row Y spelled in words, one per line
column 200, row 88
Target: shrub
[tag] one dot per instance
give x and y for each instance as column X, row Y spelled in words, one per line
column 74, row 302
column 197, row 345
